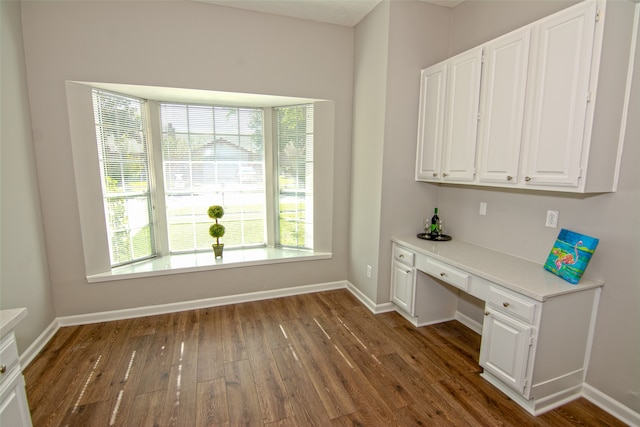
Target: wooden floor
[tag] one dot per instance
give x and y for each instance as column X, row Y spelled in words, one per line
column 317, row 359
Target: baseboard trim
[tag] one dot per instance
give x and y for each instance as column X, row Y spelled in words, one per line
column 610, row 405
column 36, row 346
column 372, row 306
column 131, row 313
column 469, row 322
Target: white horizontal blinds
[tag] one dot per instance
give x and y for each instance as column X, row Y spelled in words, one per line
column 124, row 171
column 213, row 155
column 294, row 136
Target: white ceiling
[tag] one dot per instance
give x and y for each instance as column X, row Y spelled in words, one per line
column 341, row 12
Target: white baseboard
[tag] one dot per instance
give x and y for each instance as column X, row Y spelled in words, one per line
column 36, row 347
column 610, row 405
column 372, row 306
column 469, row 322
column 130, row 313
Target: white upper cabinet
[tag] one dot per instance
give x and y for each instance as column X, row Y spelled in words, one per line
column 450, row 93
column 504, row 84
column 559, row 96
column 433, row 88
column 461, row 116
column 551, row 108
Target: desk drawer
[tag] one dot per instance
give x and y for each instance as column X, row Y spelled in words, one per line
column 447, row 273
column 403, row 255
column 507, row 303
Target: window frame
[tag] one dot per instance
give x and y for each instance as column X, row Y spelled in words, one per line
column 92, row 219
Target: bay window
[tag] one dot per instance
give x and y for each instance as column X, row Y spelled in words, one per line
column 162, row 163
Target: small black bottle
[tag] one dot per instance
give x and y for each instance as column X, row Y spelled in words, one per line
column 434, row 229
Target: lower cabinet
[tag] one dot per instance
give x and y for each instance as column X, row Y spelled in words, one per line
column 14, row 409
column 505, row 349
column 403, row 283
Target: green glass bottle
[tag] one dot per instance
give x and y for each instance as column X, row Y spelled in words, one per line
column 434, row 229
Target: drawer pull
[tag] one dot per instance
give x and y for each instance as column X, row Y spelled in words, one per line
column 527, row 178
column 435, row 174
column 400, row 256
column 3, row 369
column 443, row 274
column 408, row 271
column 486, row 313
column 505, row 304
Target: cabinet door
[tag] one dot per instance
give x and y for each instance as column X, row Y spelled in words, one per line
column 14, row 409
column 504, row 351
column 461, row 116
column 403, row 287
column 431, row 122
column 559, row 96
column 504, row 83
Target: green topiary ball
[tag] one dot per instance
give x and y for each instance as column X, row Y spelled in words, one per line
column 215, row 211
column 216, row 230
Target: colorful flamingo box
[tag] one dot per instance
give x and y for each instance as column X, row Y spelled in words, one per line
column 570, row 255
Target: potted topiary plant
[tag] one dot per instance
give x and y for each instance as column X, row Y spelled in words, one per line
column 216, row 230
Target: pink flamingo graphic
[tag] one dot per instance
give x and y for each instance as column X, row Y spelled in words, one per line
column 568, row 259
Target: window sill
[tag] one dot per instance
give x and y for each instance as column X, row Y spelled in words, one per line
column 205, row 261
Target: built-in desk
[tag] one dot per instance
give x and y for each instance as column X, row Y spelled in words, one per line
column 537, row 328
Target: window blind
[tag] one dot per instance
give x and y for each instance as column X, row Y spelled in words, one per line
column 294, row 136
column 124, row 172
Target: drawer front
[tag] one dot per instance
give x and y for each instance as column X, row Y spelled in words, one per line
column 507, row 303
column 402, row 255
column 449, row 274
column 8, row 355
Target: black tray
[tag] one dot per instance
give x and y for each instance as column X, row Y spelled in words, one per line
column 439, row 238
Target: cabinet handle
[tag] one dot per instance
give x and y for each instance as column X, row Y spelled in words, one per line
column 435, row 174
column 443, row 274
column 509, row 177
column 527, row 178
column 400, row 256
column 3, row 369
column 486, row 313
column 445, row 174
column 408, row 271
column 505, row 304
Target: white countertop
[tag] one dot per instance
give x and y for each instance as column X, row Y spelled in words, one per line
column 10, row 318
column 520, row 275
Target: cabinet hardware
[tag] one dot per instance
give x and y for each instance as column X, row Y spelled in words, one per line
column 509, row 177
column 3, row 369
column 527, row 178
column 408, row 271
column 505, row 304
column 486, row 313
column 435, row 174
column 400, row 256
column 443, row 274
column 445, row 174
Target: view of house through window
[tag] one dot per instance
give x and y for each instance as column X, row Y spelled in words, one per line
column 210, row 155
column 213, row 155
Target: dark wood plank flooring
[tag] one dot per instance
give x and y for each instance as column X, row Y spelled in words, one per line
column 317, row 359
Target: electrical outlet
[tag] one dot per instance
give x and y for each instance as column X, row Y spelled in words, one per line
column 483, row 208
column 552, row 219
column 369, row 271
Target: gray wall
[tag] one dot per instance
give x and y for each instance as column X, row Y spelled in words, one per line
column 393, row 43
column 24, row 276
column 184, row 45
